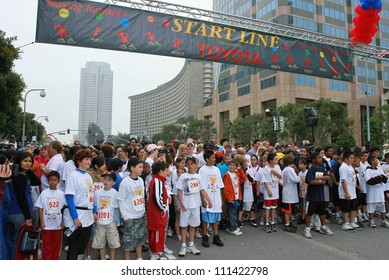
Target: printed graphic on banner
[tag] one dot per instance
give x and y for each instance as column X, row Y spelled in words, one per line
column 113, row 27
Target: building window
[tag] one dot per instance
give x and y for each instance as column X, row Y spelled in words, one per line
column 361, row 71
column 244, row 73
column 302, row 5
column 244, row 90
column 244, row 8
column 303, row 80
column 267, row 9
column 371, row 90
column 336, row 31
column 328, row 12
column 224, row 96
column 270, row 82
column 338, row 85
column 303, row 23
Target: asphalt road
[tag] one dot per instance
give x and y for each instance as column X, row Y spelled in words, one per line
column 255, row 244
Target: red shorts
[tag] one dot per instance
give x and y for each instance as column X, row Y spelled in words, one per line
column 286, row 208
column 157, row 240
column 270, row 203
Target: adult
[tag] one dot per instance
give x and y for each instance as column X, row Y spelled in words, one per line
column 254, row 149
column 56, row 163
column 42, row 158
column 132, row 147
column 79, row 197
column 20, row 191
column 122, row 153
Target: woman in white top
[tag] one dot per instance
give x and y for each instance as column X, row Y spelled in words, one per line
column 79, row 197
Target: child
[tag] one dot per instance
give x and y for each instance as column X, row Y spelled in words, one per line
column 213, row 184
column 131, row 200
column 347, row 192
column 190, row 185
column 385, row 168
column 177, row 204
column 251, row 175
column 260, row 189
column 271, row 178
column 233, row 195
column 157, row 210
column 361, row 188
column 316, row 179
column 289, row 191
column 105, row 206
column 303, row 165
column 375, row 184
column 50, row 203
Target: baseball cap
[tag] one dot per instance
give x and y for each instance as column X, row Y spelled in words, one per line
column 111, row 175
column 152, row 147
column 219, row 154
column 191, row 158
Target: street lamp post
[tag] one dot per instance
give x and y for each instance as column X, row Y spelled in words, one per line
column 276, row 125
column 42, row 94
column 367, row 107
column 36, row 127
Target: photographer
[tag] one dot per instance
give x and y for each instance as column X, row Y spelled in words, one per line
column 20, row 191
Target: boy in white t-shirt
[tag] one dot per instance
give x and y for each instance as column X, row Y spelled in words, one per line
column 50, row 203
column 105, row 206
column 213, row 184
column 131, row 199
column 190, row 185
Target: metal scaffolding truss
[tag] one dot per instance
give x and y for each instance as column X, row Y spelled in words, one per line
column 360, row 49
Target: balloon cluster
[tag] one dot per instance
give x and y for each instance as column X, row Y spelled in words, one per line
column 365, row 22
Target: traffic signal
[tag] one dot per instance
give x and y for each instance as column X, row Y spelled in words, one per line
column 68, row 131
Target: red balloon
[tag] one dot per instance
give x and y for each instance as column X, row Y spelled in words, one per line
column 352, row 32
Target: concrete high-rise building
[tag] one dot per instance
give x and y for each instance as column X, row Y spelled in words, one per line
column 183, row 96
column 96, row 87
column 247, row 90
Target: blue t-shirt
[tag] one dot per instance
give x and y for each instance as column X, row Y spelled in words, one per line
column 223, row 168
column 118, row 181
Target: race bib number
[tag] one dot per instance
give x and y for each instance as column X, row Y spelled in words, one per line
column 139, row 203
column 104, row 214
column 53, row 206
column 194, row 186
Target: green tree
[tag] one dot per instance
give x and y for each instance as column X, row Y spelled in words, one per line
column 379, row 123
column 94, row 133
column 11, row 87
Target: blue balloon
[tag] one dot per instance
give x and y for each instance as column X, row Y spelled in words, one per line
column 377, row 5
column 365, row 6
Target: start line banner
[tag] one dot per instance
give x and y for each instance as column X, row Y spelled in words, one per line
column 99, row 25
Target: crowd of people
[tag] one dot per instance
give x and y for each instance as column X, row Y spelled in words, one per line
column 134, row 196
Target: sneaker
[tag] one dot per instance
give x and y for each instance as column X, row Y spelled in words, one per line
column 236, row 232
column 307, row 232
column 107, row 257
column 88, row 258
column 253, row 223
column 354, row 226
column 170, row 232
column 157, row 257
column 318, row 229
column 205, row 241
column 198, row 235
column 167, row 251
column 66, row 249
column 273, row 227
column 182, row 252
column 217, row 241
column 365, row 217
column 385, row 224
column 326, row 230
column 192, row 249
column 267, row 228
column 346, row 226
column 359, row 218
column 372, row 223
column 261, row 222
column 288, row 228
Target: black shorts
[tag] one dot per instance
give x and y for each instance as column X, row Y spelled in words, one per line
column 348, row 205
column 361, row 198
column 316, row 207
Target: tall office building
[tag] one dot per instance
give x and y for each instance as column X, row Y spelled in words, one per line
column 183, row 96
column 246, row 90
column 96, row 87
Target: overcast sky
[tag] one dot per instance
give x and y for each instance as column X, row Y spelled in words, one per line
column 57, row 69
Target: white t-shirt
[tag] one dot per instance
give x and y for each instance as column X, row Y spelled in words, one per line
column 213, row 184
column 347, row 174
column 191, row 185
column 235, row 184
column 51, row 201
column 303, row 185
column 259, row 178
column 67, row 168
column 80, row 185
column 361, row 175
column 131, row 198
column 106, row 201
column 289, row 190
column 272, row 180
column 375, row 193
column 385, row 169
column 56, row 163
